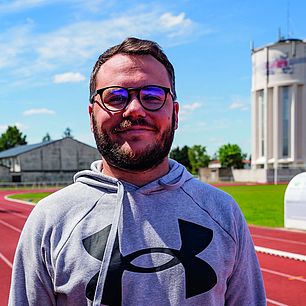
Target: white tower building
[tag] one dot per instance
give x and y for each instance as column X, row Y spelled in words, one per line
column 279, row 106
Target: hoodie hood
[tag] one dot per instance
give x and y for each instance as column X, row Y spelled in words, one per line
column 174, row 179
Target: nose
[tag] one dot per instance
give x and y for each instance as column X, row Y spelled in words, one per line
column 134, row 108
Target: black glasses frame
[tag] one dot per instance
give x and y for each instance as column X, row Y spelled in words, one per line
column 130, row 89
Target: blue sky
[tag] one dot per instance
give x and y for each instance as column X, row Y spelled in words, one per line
column 48, row 48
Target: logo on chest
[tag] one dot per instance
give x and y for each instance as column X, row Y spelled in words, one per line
column 199, row 275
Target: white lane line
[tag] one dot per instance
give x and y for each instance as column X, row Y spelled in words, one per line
column 6, row 260
column 276, row 303
column 10, row 226
column 291, row 277
column 17, row 201
column 279, row 239
column 280, row 253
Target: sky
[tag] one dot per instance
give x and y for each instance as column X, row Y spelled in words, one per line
column 48, row 49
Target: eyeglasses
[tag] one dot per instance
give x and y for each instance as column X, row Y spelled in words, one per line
column 116, row 98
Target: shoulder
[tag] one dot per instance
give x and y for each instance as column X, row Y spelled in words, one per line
column 219, row 205
column 207, row 195
column 69, row 203
column 74, row 194
column 54, row 218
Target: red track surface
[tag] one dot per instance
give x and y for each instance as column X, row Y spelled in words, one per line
column 285, row 279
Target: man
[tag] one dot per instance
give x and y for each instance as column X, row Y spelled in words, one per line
column 136, row 229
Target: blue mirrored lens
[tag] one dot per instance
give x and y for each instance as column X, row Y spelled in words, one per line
column 115, row 97
column 152, row 97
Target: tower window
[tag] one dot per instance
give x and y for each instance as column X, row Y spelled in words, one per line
column 261, row 110
column 285, row 120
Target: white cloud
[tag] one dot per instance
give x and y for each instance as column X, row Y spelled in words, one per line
column 187, row 109
column 3, row 128
column 191, row 107
column 169, row 20
column 32, row 54
column 38, row 111
column 19, row 125
column 14, row 44
column 238, row 103
column 177, row 26
column 68, row 77
column 78, row 41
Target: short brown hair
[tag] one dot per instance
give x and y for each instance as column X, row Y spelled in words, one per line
column 134, row 46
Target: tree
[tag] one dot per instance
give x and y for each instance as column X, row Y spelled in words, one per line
column 230, row 155
column 11, row 138
column 67, row 133
column 198, row 158
column 46, row 138
column 181, row 156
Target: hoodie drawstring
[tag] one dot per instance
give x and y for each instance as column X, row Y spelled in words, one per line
column 109, row 247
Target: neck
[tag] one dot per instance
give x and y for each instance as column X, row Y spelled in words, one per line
column 138, row 178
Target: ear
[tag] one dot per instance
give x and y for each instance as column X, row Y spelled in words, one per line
column 176, row 111
column 90, row 111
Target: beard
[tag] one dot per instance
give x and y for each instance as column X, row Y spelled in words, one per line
column 151, row 155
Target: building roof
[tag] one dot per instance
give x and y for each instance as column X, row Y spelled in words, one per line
column 22, row 149
column 280, row 41
column 13, row 152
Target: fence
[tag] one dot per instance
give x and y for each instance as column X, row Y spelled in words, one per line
column 34, row 185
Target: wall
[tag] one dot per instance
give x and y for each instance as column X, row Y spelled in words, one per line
column 4, row 174
column 63, row 155
column 215, row 175
column 47, row 176
column 250, row 175
column 265, row 176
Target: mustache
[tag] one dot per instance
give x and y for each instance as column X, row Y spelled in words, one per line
column 127, row 123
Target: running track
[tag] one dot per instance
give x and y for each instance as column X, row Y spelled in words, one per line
column 281, row 253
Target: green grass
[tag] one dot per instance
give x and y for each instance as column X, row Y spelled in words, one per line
column 261, row 204
column 30, row 197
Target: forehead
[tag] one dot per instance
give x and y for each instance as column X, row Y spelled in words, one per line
column 132, row 71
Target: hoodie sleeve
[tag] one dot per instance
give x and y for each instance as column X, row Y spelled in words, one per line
column 31, row 276
column 245, row 286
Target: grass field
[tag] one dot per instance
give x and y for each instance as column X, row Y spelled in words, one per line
column 30, row 197
column 261, row 204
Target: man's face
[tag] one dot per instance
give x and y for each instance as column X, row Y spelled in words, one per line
column 135, row 138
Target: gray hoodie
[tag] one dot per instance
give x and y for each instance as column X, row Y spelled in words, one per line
column 174, row 241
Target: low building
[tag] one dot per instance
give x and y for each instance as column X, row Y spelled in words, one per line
column 47, row 162
column 216, row 173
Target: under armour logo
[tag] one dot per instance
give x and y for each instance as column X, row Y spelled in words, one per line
column 199, row 275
